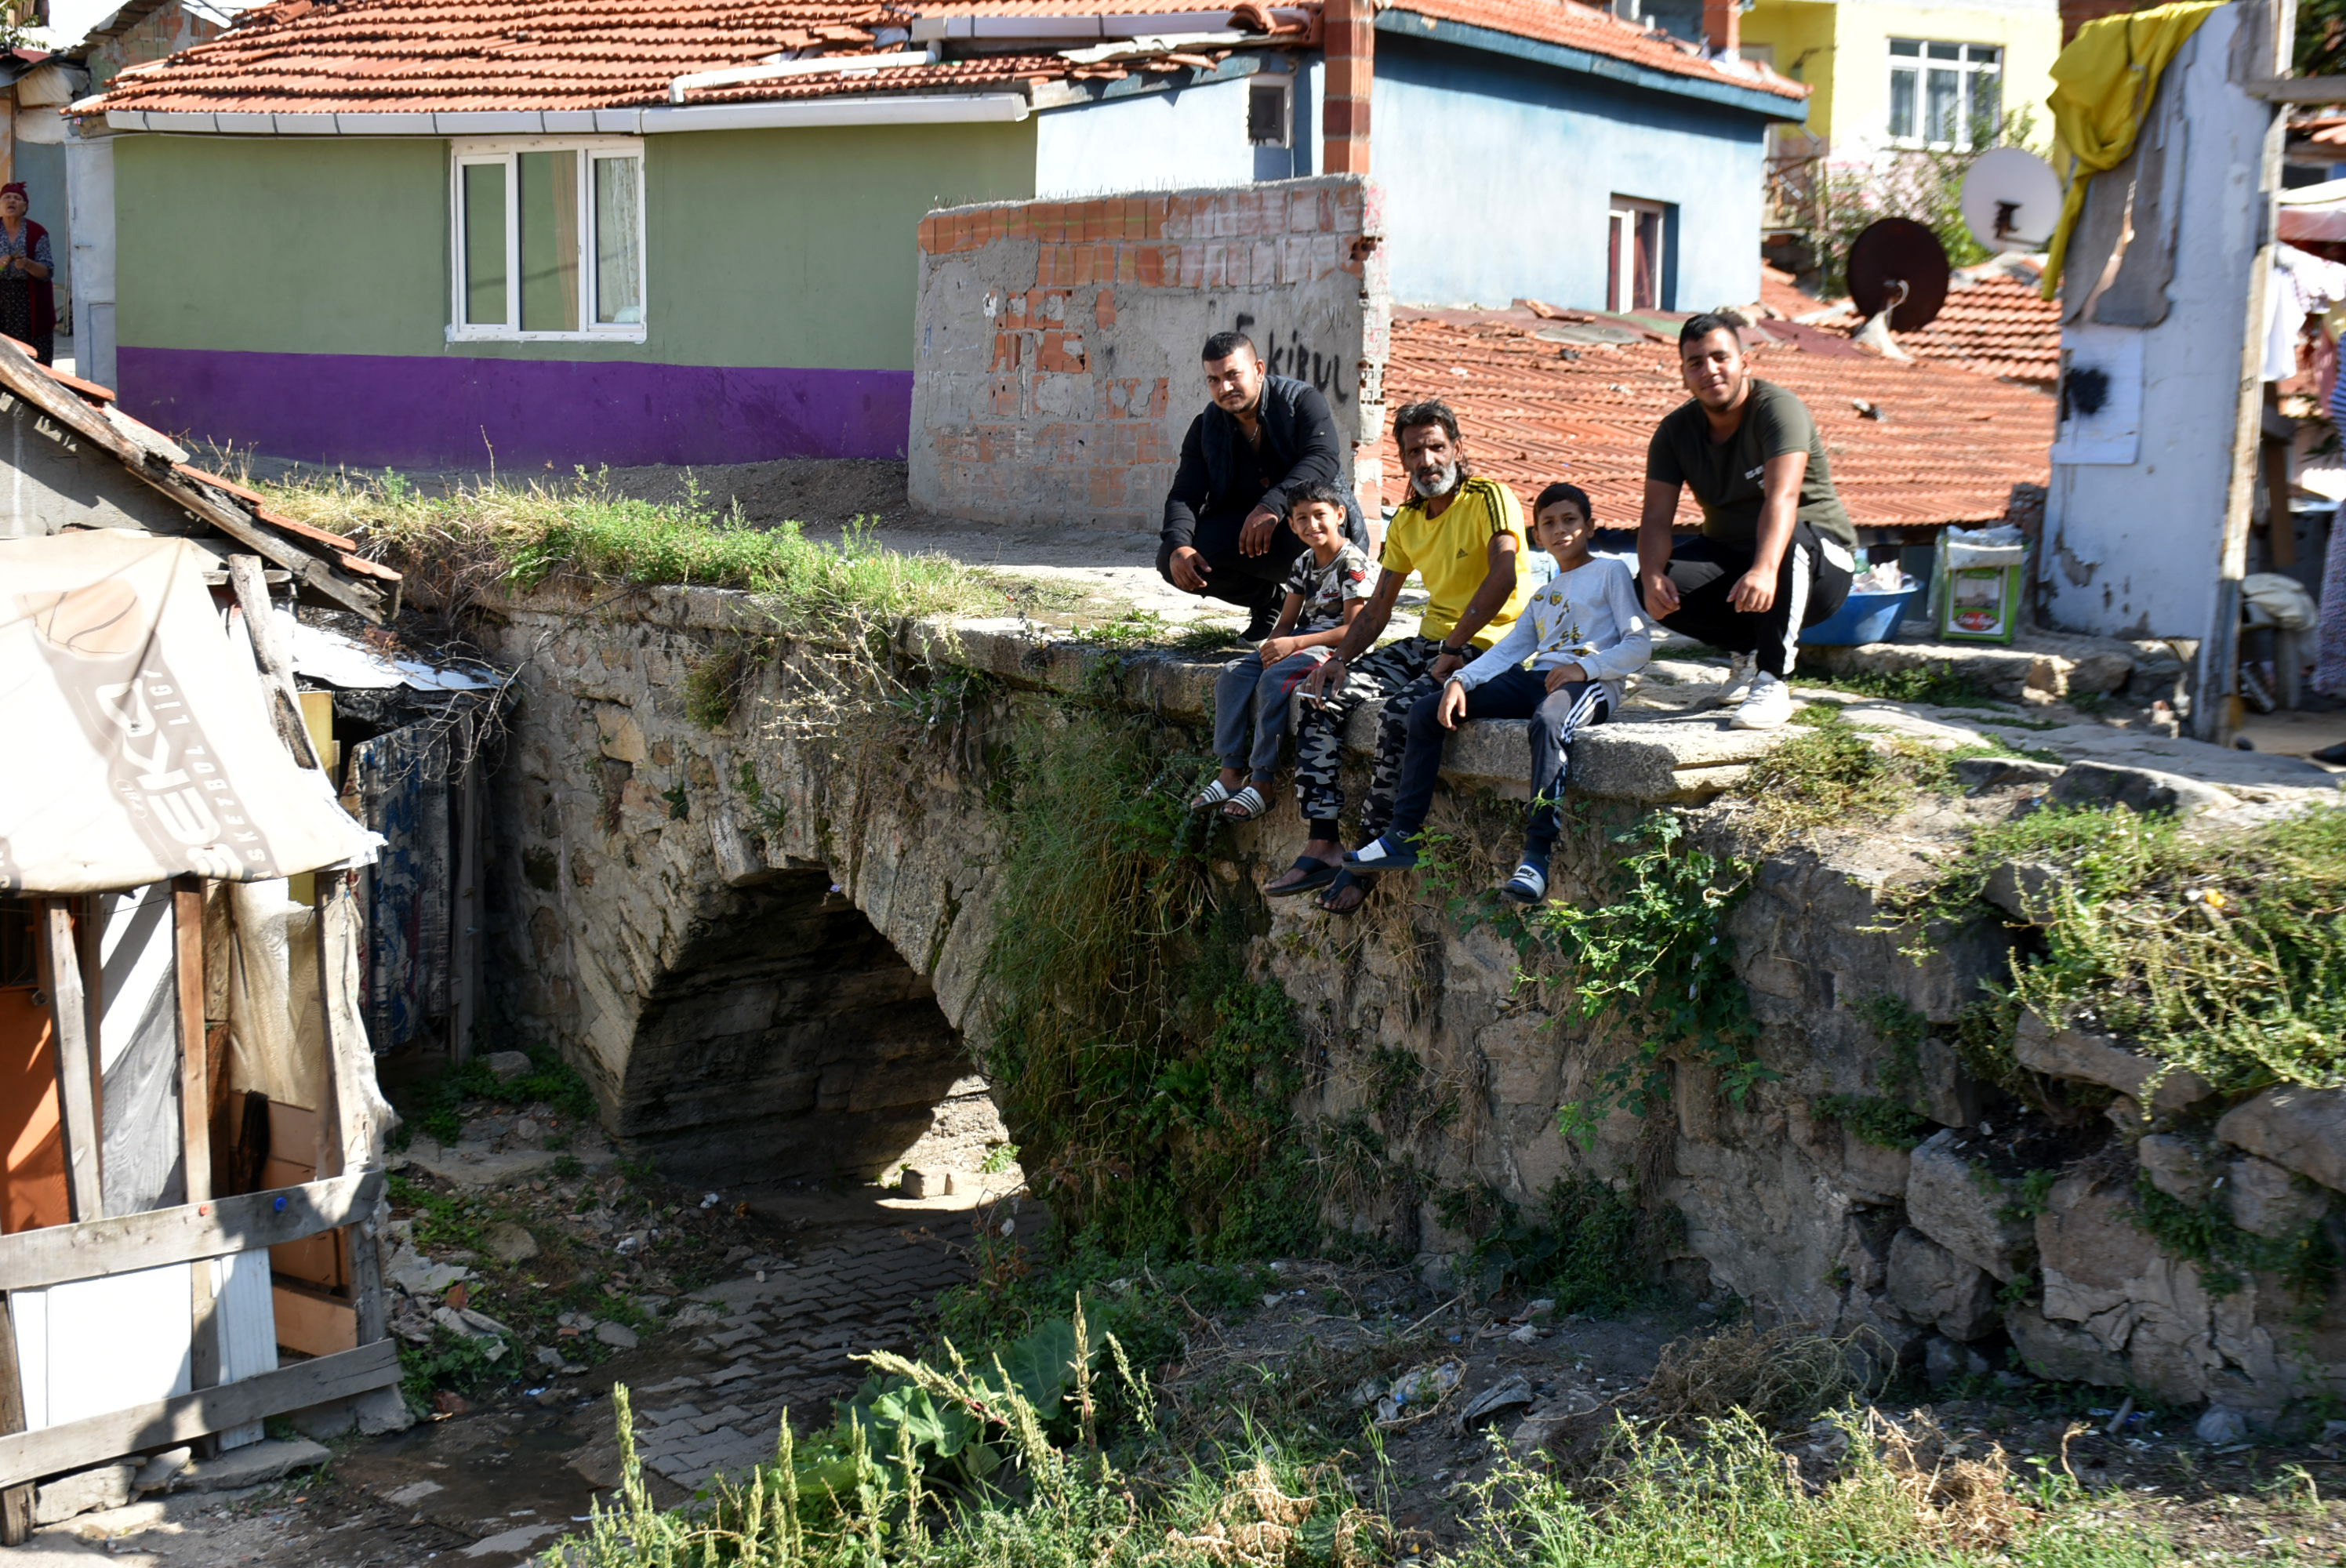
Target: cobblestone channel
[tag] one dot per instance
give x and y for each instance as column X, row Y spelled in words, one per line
column 783, row 1344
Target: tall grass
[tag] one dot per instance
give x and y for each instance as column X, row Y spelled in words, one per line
column 479, row 536
column 1724, row 1496
column 1727, row 1498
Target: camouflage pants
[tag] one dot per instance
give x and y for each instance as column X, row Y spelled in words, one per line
column 1398, row 674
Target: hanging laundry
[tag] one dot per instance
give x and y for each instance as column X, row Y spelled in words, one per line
column 2301, row 285
column 2103, row 85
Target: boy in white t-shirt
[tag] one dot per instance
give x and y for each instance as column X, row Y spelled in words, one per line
column 1583, row 632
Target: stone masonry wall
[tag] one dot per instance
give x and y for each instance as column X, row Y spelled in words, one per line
column 1055, row 366
column 635, row 849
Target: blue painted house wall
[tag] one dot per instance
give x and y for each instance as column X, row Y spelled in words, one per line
column 1181, row 138
column 1498, row 174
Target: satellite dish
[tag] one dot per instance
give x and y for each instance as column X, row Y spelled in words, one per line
column 2011, row 200
column 1899, row 267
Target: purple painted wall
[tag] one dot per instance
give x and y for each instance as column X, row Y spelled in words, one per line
column 393, row 412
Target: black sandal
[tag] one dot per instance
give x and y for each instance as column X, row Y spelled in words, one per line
column 1321, row 875
column 1344, row 880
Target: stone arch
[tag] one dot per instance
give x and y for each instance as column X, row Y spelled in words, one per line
column 789, row 1040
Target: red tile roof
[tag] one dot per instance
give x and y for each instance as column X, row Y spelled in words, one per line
column 465, row 55
column 1780, row 293
column 1995, row 324
column 355, row 57
column 1598, row 31
column 1948, row 448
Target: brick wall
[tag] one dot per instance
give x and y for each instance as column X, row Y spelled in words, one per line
column 1055, row 368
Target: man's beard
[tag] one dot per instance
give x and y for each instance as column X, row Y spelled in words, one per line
column 1444, row 481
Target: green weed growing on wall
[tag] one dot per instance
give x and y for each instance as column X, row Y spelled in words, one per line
column 1653, row 957
column 1875, row 1118
column 1585, row 1245
column 2306, row 1261
column 1150, row 1080
column 2227, row 955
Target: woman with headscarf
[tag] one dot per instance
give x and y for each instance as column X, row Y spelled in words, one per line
column 28, row 309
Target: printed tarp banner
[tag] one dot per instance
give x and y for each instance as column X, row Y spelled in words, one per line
column 138, row 747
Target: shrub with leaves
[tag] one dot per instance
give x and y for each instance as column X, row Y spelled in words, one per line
column 1654, row 958
column 2226, row 955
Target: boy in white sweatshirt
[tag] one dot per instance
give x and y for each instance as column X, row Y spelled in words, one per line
column 1583, row 632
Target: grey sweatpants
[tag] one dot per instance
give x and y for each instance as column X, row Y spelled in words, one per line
column 1251, row 706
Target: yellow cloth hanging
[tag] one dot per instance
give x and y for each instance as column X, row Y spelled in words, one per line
column 2102, row 86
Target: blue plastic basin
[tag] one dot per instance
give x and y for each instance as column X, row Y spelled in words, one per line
column 1863, row 619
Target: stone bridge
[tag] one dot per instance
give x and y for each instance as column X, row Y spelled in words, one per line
column 765, row 945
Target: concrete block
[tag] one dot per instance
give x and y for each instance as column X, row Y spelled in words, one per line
column 1673, row 758
column 160, row 1469
column 120, row 1523
column 82, row 1491
column 254, row 1464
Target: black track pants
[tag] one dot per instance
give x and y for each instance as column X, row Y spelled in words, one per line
column 1811, row 586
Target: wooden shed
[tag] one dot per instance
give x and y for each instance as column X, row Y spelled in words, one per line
column 190, row 1133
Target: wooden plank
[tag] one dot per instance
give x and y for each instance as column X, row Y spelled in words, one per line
column 314, row 1322
column 15, row 1501
column 69, row 1018
column 366, row 1278
column 249, row 1220
column 36, row 387
column 165, row 1423
column 2300, row 90
column 349, row 1055
column 276, row 663
column 465, row 927
column 195, row 1118
column 195, row 1045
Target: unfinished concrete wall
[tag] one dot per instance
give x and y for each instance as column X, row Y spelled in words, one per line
column 1056, row 365
column 734, row 934
column 2148, row 460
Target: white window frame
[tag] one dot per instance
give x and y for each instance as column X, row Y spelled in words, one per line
column 1621, row 216
column 475, row 151
column 1967, row 73
column 1284, row 86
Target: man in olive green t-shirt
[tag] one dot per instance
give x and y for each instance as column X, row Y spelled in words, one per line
column 1777, row 551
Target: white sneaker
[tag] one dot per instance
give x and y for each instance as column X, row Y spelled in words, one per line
column 1740, row 669
column 1768, row 708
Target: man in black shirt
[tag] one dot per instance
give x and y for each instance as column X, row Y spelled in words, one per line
column 1777, row 551
column 1264, row 437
